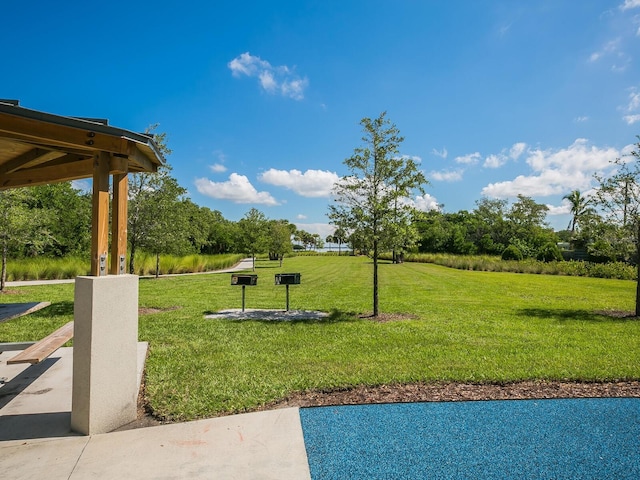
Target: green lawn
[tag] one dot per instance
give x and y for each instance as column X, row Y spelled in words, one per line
column 468, row 326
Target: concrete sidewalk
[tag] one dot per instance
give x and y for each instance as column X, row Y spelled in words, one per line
column 36, row 441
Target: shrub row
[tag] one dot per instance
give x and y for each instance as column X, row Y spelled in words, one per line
column 486, row 263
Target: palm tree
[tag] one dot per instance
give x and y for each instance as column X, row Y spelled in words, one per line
column 579, row 206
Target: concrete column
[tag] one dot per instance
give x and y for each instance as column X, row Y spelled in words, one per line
column 105, row 387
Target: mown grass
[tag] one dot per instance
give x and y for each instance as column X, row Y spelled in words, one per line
column 468, row 326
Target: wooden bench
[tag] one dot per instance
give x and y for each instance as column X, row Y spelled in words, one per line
column 45, row 347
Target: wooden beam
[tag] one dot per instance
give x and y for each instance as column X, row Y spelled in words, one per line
column 39, row 131
column 119, row 224
column 119, row 165
column 49, row 174
column 140, row 159
column 100, row 215
column 33, row 157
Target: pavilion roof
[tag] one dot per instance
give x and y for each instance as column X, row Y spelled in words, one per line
column 40, row 148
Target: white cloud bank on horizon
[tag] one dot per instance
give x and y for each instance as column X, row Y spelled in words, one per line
column 556, row 172
column 238, row 189
column 312, row 183
column 274, row 80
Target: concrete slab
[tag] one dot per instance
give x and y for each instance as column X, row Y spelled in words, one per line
column 35, row 400
column 45, row 458
column 265, row 314
column 263, row 445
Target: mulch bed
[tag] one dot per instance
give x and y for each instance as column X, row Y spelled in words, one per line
column 454, row 392
column 429, row 392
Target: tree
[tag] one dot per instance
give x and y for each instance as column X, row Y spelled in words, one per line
column 280, row 232
column 527, row 226
column 20, row 226
column 374, row 198
column 619, row 197
column 163, row 220
column 253, row 233
column 69, row 212
column 579, row 207
column 144, row 190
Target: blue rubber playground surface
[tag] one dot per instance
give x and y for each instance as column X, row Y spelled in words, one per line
column 535, row 439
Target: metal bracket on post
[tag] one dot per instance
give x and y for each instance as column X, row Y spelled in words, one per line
column 103, row 265
column 121, row 264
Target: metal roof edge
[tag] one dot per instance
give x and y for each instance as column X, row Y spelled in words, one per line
column 12, row 107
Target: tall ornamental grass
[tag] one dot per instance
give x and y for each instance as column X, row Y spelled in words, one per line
column 41, row 268
column 487, row 263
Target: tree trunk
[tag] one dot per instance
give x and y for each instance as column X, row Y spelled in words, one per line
column 638, row 269
column 253, row 259
column 3, row 273
column 132, row 254
column 157, row 265
column 375, row 278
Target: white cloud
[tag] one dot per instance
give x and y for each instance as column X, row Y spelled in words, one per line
column 495, row 161
column 631, row 119
column 237, row 189
column 629, row 4
column 517, row 149
column 470, row 159
column 301, row 216
column 608, row 48
column 218, row 168
column 498, row 160
column 274, row 80
column 563, row 209
column 442, row 153
column 581, row 119
column 312, row 183
column 447, row 175
column 425, row 203
column 632, row 108
column 556, row 172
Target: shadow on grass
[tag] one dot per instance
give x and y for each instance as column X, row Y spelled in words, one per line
column 335, row 316
column 54, row 310
column 582, row 315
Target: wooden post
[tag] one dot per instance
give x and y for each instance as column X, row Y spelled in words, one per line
column 119, row 224
column 100, row 215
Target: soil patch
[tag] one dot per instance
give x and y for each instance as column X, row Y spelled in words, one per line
column 389, row 317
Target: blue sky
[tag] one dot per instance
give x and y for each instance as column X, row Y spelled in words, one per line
column 261, row 101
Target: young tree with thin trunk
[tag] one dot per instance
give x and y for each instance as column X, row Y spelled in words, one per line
column 619, row 197
column 373, row 202
column 253, row 233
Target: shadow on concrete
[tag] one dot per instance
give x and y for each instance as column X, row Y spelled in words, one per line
column 35, row 425
column 20, row 382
